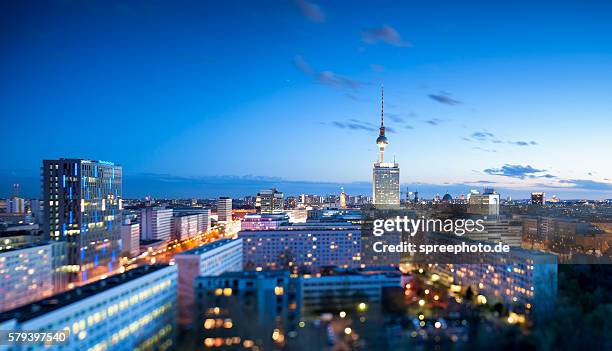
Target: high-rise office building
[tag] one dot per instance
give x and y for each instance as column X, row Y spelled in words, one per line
column 270, row 201
column 156, row 223
column 224, row 209
column 82, row 206
column 537, row 199
column 131, row 311
column 385, row 175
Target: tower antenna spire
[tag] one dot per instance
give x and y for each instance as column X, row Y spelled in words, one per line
column 382, row 106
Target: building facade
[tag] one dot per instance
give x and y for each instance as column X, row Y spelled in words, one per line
column 270, row 201
column 306, row 244
column 212, row 259
column 224, row 209
column 130, row 311
column 130, row 239
column 30, row 273
column 156, row 223
column 82, row 206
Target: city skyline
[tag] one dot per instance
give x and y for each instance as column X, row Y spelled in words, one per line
column 523, row 115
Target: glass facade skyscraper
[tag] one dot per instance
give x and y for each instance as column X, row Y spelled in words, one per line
column 83, row 207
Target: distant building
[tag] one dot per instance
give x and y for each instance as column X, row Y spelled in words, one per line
column 270, row 201
column 342, row 199
column 212, row 259
column 537, row 199
column 486, row 204
column 15, row 205
column 385, row 175
column 224, row 209
column 156, row 223
column 130, row 311
column 31, row 273
column 304, row 244
column 82, row 206
column 130, row 239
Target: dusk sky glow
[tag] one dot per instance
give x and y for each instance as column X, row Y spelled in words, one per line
column 209, row 98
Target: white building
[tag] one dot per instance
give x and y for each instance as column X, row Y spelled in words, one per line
column 130, row 311
column 28, row 274
column 156, row 223
column 307, row 244
column 130, row 239
column 186, row 226
column 486, row 203
column 224, row 209
column 15, row 205
column 221, row 256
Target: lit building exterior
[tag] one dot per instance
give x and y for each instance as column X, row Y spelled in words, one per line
column 507, row 231
column 537, row 199
column 344, row 289
column 185, row 226
column 31, row 273
column 156, row 223
column 224, row 255
column 240, row 310
column 486, row 204
column 203, row 217
column 130, row 239
column 254, row 221
column 15, row 205
column 306, row 244
column 130, row 311
column 270, row 201
column 385, row 175
column 82, row 206
column 224, row 209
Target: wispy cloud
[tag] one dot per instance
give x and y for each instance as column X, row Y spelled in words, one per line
column 433, row 121
column 394, row 117
column 516, row 171
column 486, row 136
column 587, row 184
column 386, row 34
column 311, row 10
column 483, row 149
column 444, row 98
column 326, row 77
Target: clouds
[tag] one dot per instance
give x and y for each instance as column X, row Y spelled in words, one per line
column 326, row 77
column 311, row 10
column 444, row 98
column 433, row 121
column 355, row 124
column 587, row 184
column 488, row 137
column 385, row 34
column 515, row 171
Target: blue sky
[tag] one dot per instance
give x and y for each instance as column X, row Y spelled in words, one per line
column 207, row 98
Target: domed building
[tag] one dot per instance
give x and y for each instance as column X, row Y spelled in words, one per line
column 447, row 198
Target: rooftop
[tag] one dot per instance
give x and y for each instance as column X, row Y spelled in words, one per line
column 208, row 247
column 56, row 302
